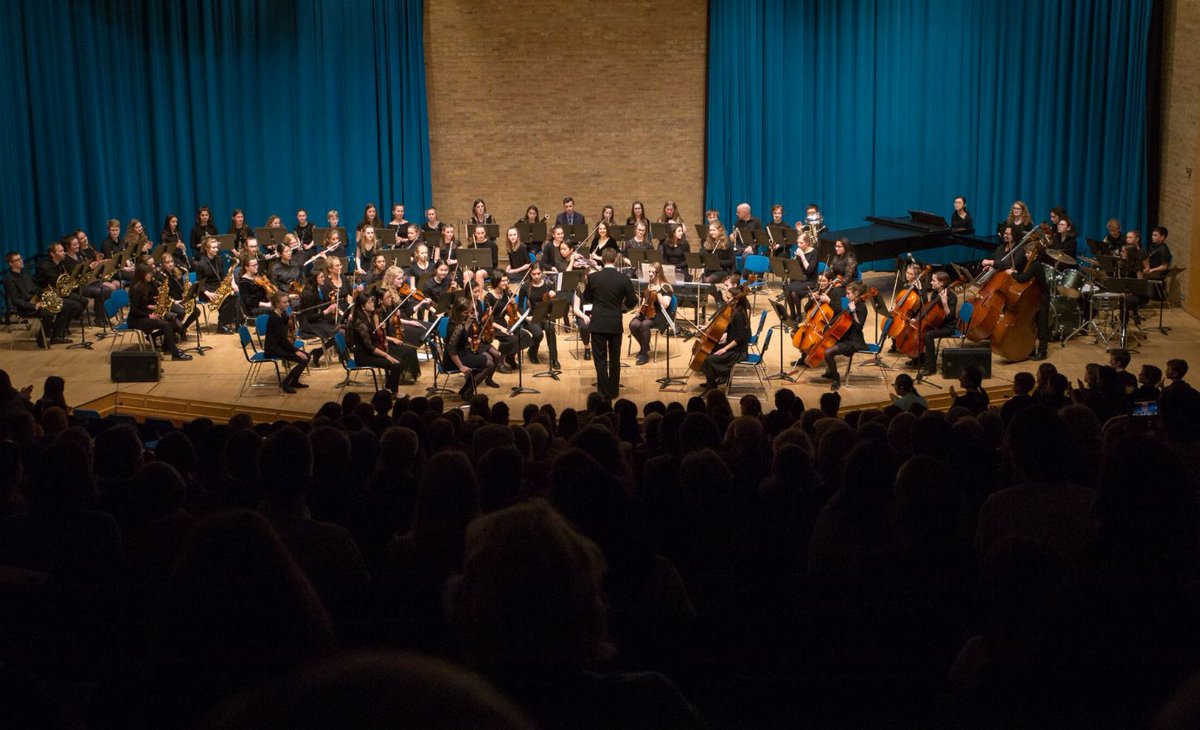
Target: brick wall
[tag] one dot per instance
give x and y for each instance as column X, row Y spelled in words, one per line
column 1181, row 158
column 521, row 112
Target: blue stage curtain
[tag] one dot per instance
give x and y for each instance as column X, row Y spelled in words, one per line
column 140, row 108
column 873, row 107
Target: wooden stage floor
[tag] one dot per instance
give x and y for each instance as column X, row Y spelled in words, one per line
column 217, row 377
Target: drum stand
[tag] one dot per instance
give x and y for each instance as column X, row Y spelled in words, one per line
column 1089, row 326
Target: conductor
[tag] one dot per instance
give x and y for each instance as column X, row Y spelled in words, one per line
column 611, row 294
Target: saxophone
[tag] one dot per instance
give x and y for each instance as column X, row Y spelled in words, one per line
column 222, row 293
column 163, row 304
column 189, row 300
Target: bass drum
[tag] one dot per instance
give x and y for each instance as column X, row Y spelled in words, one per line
column 1069, row 283
column 1065, row 316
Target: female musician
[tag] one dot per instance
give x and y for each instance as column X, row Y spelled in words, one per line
column 241, row 232
column 675, row 248
column 375, row 273
column 941, row 296
column 337, row 285
column 391, row 331
column 170, row 235
column 96, row 290
column 602, row 241
column 497, row 301
column 136, row 241
column 532, row 215
column 278, row 343
column 286, row 270
column 394, row 280
column 537, row 288
column 670, row 214
column 398, row 223
column 560, row 257
column 177, row 285
column 1130, row 256
column 256, row 296
column 734, row 342
column 421, row 265
column 960, row 219
column 143, row 296
column 852, row 341
column 370, row 220
column 332, row 219
column 583, row 318
column 1113, row 239
column 317, row 311
column 480, row 214
column 1007, row 255
column 657, row 292
column 1019, row 219
column 431, row 222
column 210, row 272
column 334, row 247
column 366, row 343
column 440, row 283
column 1011, row 256
column 641, row 239
column 717, row 243
column 203, row 228
column 368, row 246
column 411, row 237
column 476, row 366
column 806, row 254
column 637, row 214
column 844, row 264
column 268, row 249
column 477, row 291
column 446, row 245
column 518, row 254
column 607, row 217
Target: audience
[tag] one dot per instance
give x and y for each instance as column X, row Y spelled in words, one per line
column 716, row 563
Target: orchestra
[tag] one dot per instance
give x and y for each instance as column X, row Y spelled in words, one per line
column 305, row 283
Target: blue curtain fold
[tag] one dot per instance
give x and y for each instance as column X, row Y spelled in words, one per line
column 873, row 107
column 140, row 108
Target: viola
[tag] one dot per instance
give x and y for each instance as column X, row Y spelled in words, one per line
column 836, row 330
column 649, row 306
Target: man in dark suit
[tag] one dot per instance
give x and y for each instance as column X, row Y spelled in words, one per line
column 611, row 294
column 569, row 217
column 277, row 344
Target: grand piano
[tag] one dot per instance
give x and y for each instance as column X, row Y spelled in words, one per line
column 886, row 238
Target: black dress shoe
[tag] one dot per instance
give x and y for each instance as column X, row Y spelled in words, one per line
column 642, row 359
column 503, row 369
column 912, row 362
column 225, row 329
column 491, row 383
column 60, row 341
column 835, row 384
column 555, row 364
column 533, row 359
column 1038, row 356
column 511, row 362
column 180, row 355
column 587, row 353
column 298, row 384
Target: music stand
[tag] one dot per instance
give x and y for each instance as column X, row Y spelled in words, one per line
column 444, row 303
column 475, row 258
column 517, row 331
column 545, row 314
column 270, row 236
column 1162, row 286
column 432, row 239
column 403, row 257
column 386, row 237
column 660, row 231
column 320, row 234
column 666, row 381
column 392, row 258
column 786, row 323
column 493, row 230
column 1110, row 265
column 1140, row 288
column 701, row 230
column 574, row 232
column 530, row 232
column 78, row 272
column 783, row 236
column 620, row 232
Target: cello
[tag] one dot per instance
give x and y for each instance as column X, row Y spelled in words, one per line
column 836, row 330
column 930, row 316
column 711, row 334
column 808, row 332
column 904, row 303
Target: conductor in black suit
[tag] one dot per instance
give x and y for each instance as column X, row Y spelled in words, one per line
column 569, row 216
column 611, row 294
column 277, row 344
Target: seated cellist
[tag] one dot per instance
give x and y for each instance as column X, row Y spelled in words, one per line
column 852, row 341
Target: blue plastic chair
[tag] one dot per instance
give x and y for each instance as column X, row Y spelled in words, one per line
column 256, row 360
column 437, row 347
column 762, row 321
column 963, row 322
column 754, row 361
column 351, row 367
column 116, row 302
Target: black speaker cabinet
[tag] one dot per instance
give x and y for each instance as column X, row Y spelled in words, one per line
column 954, row 359
column 135, row 366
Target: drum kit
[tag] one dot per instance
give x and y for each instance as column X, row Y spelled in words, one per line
column 1077, row 291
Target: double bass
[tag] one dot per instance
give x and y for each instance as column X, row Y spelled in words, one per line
column 836, row 330
column 1006, row 310
column 711, row 334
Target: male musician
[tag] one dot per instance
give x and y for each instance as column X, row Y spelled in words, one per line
column 569, row 217
column 538, row 288
column 1158, row 256
column 19, row 291
column 742, row 227
column 47, row 275
column 611, row 294
column 1010, row 256
column 942, row 297
column 277, row 344
column 112, row 245
column 852, row 341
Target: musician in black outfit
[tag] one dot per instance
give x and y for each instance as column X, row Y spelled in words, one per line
column 210, row 272
column 538, row 288
column 942, row 296
column 277, row 344
column 256, row 299
column 476, row 366
column 19, row 291
column 658, row 291
column 852, row 341
column 177, row 285
column 364, row 335
column 797, row 289
column 611, row 294
column 46, row 275
column 497, row 301
column 203, row 228
column 675, row 248
column 142, row 299
column 1010, row 255
column 316, row 314
column 735, row 341
column 843, row 263
column 743, row 228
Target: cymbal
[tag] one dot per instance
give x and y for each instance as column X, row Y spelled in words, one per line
column 1088, row 261
column 1061, row 257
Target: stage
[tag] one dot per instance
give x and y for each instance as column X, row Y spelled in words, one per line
column 212, row 384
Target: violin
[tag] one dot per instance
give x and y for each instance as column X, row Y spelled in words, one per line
column 266, row 284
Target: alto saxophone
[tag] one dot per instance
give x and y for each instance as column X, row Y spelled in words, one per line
column 189, row 300
column 223, row 291
column 163, row 304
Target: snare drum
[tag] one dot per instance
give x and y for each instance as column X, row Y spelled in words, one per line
column 1106, row 302
column 1069, row 283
